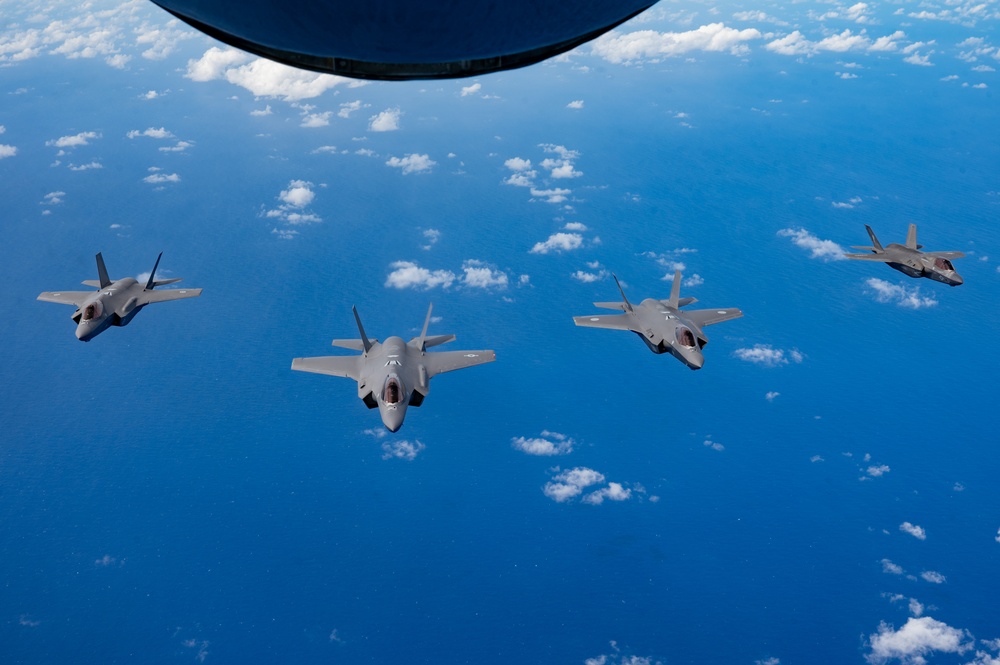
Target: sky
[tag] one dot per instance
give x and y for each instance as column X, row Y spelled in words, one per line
column 821, row 491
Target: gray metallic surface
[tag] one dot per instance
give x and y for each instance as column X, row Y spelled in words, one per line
column 909, row 260
column 394, row 374
column 115, row 302
column 401, row 40
column 661, row 324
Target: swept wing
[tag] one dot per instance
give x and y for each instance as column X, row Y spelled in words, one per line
column 706, row 317
column 66, row 297
column 345, row 366
column 449, row 361
column 147, row 297
column 612, row 321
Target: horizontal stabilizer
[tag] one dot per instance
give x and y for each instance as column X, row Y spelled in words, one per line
column 868, row 257
column 947, row 255
column 686, row 300
column 611, row 305
column 353, row 344
column 437, row 340
column 707, row 317
column 96, row 283
column 164, row 282
column 869, row 249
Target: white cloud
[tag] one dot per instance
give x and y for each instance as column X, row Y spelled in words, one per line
column 408, row 275
column 471, row 89
column 558, row 242
column 714, row 445
column 158, row 178
column 401, row 449
column 518, row 164
column 693, row 280
column 589, row 277
column 299, row 194
column 412, row 163
column 575, row 104
column 548, row 444
column 568, row 484
column 86, row 167
column 213, row 64
column 7, row 150
column 771, row 396
column 918, row 637
column 921, row 60
column 997, row 538
column 886, row 292
column 891, row 568
column 827, row 250
column 555, row 195
column 432, row 235
column 916, row 607
column 649, row 45
column 52, row 198
column 74, row 141
column 768, row 356
column 386, row 121
column 180, row 146
column 151, row 132
column 613, row 492
column 480, row 275
column 933, row 577
column 312, row 120
column 347, row 108
column 914, row 530
column 878, row 470
column 263, row 78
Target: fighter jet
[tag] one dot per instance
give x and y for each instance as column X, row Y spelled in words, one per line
column 661, row 324
column 909, row 260
column 393, row 374
column 403, row 39
column 116, row 302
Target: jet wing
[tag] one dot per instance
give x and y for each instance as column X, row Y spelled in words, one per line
column 613, row 321
column 706, row 317
column 869, row 257
column 448, row 361
column 66, row 297
column 947, row 255
column 148, row 297
column 345, row 366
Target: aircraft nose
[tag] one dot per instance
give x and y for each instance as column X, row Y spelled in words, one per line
column 696, row 360
column 393, row 420
column 81, row 333
column 958, row 280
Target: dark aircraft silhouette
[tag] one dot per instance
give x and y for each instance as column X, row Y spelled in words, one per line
column 405, row 39
column 909, row 260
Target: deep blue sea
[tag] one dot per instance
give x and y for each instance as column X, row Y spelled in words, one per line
column 172, row 492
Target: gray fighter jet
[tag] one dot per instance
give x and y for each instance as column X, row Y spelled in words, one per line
column 393, row 374
column 909, row 260
column 661, row 324
column 116, row 302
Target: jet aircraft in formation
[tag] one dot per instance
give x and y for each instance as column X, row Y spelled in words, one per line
column 394, row 374
column 115, row 302
column 909, row 260
column 661, row 324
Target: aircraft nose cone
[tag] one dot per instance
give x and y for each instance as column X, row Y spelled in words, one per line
column 958, row 280
column 81, row 333
column 696, row 361
column 393, row 420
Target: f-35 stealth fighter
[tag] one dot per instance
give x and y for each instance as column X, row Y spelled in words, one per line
column 115, row 303
column 393, row 374
column 661, row 324
column 909, row 260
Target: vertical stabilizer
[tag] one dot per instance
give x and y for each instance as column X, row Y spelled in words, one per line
column 423, row 333
column 102, row 272
column 875, row 243
column 628, row 305
column 675, row 290
column 361, row 329
column 911, row 237
column 150, row 283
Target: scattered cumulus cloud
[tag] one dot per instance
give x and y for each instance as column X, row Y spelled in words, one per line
column 295, row 199
column 402, row 449
column 7, row 150
column 770, row 397
column 412, row 163
column 575, row 104
column 263, row 78
column 825, row 250
column 471, row 89
column 914, row 530
column 558, row 242
column 918, row 638
column 886, row 292
column 877, row 470
column 52, row 198
column 571, row 483
column 74, row 141
column 651, row 46
column 547, row 444
column 933, row 577
column 160, row 178
column 768, row 356
column 151, row 132
column 408, row 275
column 386, row 121
column 891, row 568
